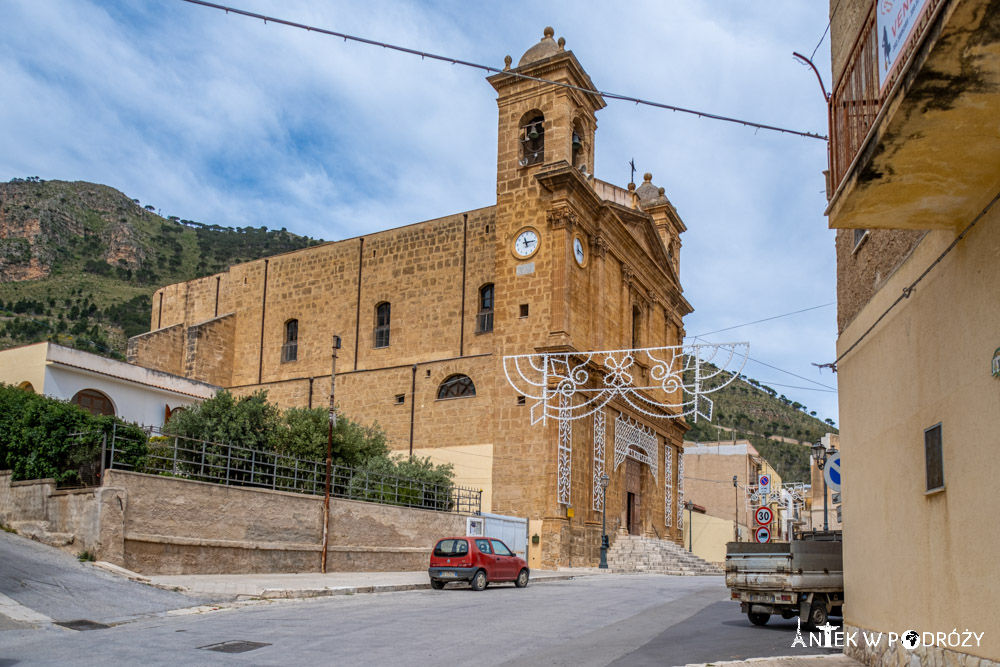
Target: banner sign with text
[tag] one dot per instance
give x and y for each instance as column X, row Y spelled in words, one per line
column 895, row 22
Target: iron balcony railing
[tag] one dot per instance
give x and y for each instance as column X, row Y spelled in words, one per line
column 858, row 97
column 232, row 465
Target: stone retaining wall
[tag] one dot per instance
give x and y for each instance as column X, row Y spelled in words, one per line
column 896, row 655
column 166, row 525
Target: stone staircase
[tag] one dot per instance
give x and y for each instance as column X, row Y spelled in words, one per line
column 637, row 555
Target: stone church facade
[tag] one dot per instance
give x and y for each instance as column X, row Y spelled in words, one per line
column 426, row 312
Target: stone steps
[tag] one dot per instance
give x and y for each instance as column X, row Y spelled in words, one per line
column 637, row 554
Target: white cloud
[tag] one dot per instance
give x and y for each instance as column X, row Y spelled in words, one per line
column 223, row 119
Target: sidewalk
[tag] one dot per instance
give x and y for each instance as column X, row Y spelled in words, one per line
column 313, row 584
column 837, row 660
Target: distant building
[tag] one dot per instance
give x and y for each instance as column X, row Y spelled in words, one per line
column 709, row 469
column 562, row 263
column 100, row 385
column 914, row 188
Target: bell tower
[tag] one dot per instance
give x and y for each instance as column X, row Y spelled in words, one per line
column 546, row 126
column 542, row 123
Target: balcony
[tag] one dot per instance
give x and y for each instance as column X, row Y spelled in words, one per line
column 920, row 150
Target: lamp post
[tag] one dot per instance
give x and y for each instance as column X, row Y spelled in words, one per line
column 736, row 509
column 329, row 454
column 820, row 454
column 605, row 480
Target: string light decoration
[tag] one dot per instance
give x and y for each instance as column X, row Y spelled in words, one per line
column 565, row 455
column 599, row 435
column 679, row 379
column 635, row 441
column 668, row 463
column 680, row 489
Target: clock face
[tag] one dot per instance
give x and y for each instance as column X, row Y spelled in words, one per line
column 526, row 243
column 578, row 251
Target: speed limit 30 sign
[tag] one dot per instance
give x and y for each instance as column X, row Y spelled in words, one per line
column 763, row 515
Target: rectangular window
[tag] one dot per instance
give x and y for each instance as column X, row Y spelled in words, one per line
column 382, row 325
column 400, row 399
column 859, row 237
column 524, row 310
column 934, row 458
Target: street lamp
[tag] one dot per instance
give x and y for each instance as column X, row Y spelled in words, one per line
column 605, row 480
column 736, row 509
column 820, row 454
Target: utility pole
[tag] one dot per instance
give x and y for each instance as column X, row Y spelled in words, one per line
column 736, row 510
column 329, row 453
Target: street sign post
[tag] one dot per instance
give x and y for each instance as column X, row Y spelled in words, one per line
column 763, row 515
column 763, row 534
column 764, row 482
column 831, row 472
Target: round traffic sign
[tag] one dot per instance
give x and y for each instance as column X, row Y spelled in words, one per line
column 831, row 472
column 764, row 481
column 763, row 534
column 763, row 515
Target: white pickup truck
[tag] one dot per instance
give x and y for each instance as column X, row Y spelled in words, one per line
column 803, row 578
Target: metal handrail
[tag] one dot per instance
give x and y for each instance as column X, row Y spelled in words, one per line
column 233, row 465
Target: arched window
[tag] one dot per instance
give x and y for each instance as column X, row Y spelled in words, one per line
column 484, row 322
column 532, row 139
column 636, row 326
column 457, row 386
column 290, row 350
column 382, row 324
column 27, row 386
column 94, row 402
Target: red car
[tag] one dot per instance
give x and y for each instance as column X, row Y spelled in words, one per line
column 478, row 560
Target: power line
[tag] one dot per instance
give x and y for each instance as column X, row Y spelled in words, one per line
column 781, row 370
column 766, row 319
column 791, row 386
column 455, row 61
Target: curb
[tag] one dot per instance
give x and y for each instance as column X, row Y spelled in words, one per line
column 299, row 593
column 837, row 658
column 121, row 571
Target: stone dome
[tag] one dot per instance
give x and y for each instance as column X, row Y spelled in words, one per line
column 546, row 48
column 647, row 191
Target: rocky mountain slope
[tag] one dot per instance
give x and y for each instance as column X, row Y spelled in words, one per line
column 79, row 261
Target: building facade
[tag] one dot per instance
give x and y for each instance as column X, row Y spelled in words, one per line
column 100, row 385
column 426, row 313
column 915, row 178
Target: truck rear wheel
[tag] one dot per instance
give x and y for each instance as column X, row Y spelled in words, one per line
column 758, row 618
column 817, row 614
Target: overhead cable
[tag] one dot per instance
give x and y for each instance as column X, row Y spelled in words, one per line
column 766, row 319
column 487, row 68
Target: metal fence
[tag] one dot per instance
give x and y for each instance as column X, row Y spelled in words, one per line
column 232, row 465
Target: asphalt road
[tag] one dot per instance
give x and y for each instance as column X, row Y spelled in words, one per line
column 54, row 584
column 625, row 620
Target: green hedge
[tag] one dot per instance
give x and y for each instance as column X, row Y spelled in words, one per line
column 42, row 437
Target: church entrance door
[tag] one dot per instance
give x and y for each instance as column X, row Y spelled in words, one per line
column 633, row 485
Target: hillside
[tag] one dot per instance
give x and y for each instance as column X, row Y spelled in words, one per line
column 781, row 429
column 79, row 262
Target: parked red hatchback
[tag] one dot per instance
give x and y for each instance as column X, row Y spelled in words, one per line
column 478, row 560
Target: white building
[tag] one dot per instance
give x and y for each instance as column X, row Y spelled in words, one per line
column 100, row 385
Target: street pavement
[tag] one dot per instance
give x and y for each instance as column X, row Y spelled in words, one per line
column 588, row 620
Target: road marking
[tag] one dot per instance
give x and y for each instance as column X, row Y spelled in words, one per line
column 18, row 612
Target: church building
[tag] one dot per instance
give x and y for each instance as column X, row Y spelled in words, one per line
column 563, row 263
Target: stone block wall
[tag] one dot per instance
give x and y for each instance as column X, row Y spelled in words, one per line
column 161, row 349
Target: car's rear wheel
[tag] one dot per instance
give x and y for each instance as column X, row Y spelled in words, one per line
column 758, row 619
column 522, row 578
column 479, row 581
column 437, row 584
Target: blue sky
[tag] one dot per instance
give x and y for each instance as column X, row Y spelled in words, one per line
column 222, row 119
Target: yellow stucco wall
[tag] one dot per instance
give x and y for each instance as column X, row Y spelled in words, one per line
column 709, row 535
column 911, row 558
column 24, row 364
column 473, row 465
